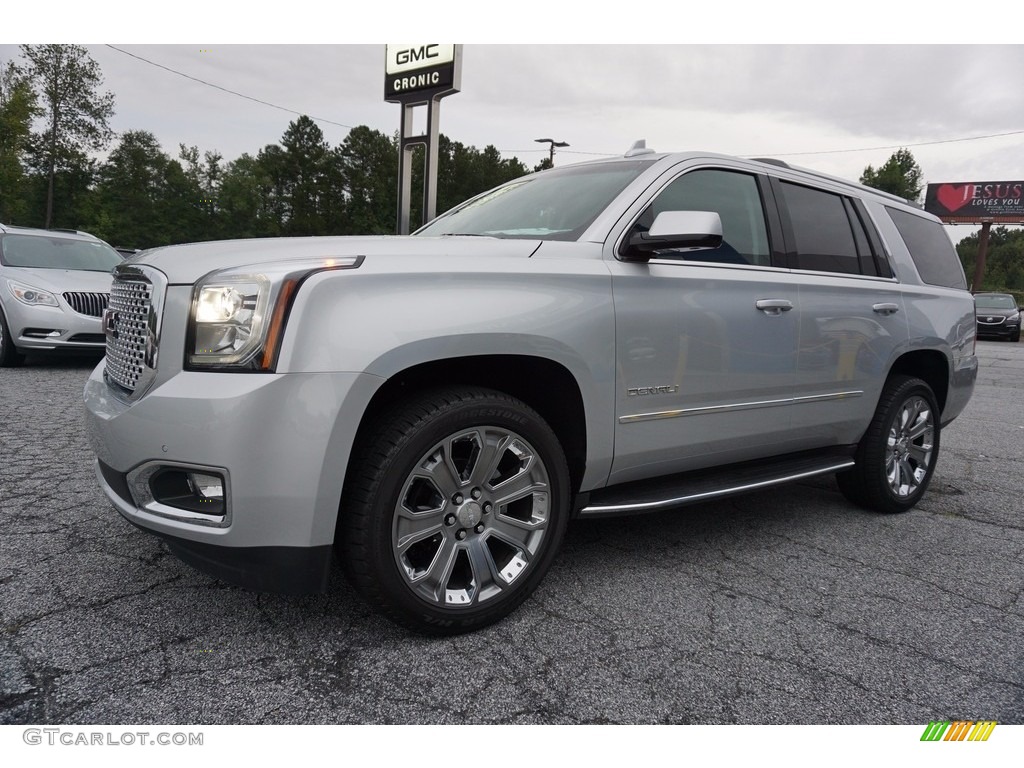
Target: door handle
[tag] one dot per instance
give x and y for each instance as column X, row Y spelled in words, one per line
column 886, row 309
column 774, row 306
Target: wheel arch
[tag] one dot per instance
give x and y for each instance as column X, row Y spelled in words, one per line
column 929, row 365
column 543, row 384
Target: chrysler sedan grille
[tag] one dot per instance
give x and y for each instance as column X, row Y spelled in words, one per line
column 91, row 304
column 125, row 327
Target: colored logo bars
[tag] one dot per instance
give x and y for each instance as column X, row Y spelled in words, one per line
column 958, row 730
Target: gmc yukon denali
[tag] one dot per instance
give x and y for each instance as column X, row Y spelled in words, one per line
column 606, row 338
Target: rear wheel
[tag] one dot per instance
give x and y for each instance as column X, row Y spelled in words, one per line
column 454, row 510
column 897, row 455
column 9, row 354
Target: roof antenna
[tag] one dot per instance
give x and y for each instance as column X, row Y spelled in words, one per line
column 639, row 148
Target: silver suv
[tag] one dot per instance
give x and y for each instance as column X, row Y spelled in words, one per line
column 600, row 339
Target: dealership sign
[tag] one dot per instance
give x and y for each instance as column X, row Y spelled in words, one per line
column 977, row 202
column 421, row 71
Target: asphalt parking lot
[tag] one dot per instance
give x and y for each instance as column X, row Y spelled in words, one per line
column 786, row 606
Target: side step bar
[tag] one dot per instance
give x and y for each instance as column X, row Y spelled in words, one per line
column 702, row 485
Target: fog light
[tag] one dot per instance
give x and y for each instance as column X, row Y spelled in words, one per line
column 198, row 495
column 206, row 487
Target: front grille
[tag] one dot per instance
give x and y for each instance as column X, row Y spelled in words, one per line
column 991, row 320
column 91, row 304
column 130, row 302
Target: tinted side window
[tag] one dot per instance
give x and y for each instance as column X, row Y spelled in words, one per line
column 930, row 248
column 735, row 197
column 821, row 228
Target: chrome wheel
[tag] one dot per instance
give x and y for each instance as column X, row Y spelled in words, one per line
column 471, row 517
column 909, row 445
column 454, row 507
column 896, row 457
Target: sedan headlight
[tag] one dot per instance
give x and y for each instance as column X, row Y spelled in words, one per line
column 34, row 297
column 238, row 315
column 1013, row 319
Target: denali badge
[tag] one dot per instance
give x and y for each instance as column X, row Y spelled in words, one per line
column 662, row 390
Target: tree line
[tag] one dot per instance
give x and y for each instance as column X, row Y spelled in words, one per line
column 54, row 117
column 140, row 196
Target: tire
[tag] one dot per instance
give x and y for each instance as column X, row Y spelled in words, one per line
column 1015, row 337
column 454, row 508
column 897, row 455
column 9, row 354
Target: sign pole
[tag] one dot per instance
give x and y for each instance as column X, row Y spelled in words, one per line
column 979, row 264
column 415, row 76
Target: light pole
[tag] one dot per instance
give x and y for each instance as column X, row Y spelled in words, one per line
column 553, row 144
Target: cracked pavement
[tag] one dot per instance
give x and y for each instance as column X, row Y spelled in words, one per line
column 785, row 606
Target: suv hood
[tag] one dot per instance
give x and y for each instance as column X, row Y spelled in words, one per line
column 184, row 264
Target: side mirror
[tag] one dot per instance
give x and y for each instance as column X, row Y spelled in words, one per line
column 675, row 229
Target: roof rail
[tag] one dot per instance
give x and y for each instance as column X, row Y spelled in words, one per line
column 836, row 180
column 771, row 161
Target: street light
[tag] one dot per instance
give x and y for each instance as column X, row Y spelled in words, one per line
column 553, row 144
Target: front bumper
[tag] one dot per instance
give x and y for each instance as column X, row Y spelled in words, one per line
column 282, row 442
column 1000, row 331
column 53, row 328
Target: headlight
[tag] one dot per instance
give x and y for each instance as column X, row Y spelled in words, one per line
column 34, row 297
column 238, row 315
column 229, row 319
column 1014, row 318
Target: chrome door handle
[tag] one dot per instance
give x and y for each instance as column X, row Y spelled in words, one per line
column 774, row 306
column 886, row 309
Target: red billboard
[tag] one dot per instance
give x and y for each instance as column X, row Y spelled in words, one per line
column 975, row 202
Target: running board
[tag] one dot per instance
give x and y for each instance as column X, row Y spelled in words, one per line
column 702, row 485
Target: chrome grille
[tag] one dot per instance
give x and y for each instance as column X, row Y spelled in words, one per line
column 991, row 320
column 130, row 302
column 91, row 304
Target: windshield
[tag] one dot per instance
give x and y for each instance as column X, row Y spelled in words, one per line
column 57, row 253
column 998, row 301
column 556, row 205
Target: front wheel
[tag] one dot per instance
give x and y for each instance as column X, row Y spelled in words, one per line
column 9, row 354
column 897, row 455
column 454, row 509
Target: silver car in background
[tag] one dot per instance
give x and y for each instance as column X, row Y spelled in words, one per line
column 54, row 287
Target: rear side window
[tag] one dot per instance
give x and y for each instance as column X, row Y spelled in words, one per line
column 822, row 230
column 930, row 248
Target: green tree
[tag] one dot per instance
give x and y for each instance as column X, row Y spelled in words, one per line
column 131, row 194
column 203, row 178
column 75, row 113
column 17, row 108
column 1004, row 260
column 304, row 177
column 900, row 176
column 369, row 168
column 242, row 203
column 273, row 189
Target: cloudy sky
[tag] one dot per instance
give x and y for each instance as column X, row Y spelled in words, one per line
column 835, row 107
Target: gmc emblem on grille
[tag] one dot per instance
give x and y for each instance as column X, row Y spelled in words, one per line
column 110, row 321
